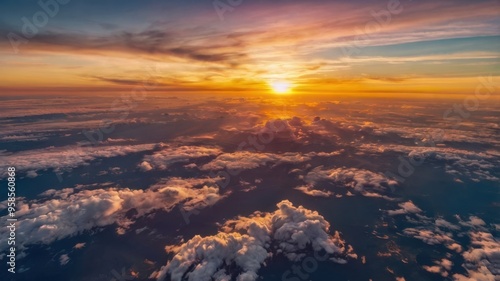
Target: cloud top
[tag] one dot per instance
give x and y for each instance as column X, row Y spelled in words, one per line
column 242, row 246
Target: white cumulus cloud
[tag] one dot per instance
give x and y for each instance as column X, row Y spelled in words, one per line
column 244, row 244
column 70, row 213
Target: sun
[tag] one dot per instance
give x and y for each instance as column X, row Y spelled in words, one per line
column 280, row 87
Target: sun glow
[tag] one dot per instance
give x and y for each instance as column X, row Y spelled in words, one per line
column 280, row 87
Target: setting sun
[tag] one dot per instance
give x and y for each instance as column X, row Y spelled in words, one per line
column 280, row 87
column 250, row 140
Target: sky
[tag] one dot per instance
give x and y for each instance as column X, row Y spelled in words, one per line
column 394, row 47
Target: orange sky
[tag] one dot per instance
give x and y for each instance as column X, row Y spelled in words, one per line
column 325, row 47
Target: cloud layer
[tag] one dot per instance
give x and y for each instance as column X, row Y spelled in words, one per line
column 162, row 159
column 360, row 181
column 69, row 212
column 67, row 157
